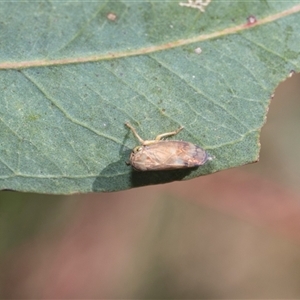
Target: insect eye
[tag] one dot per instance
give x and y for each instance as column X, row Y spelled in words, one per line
column 137, row 149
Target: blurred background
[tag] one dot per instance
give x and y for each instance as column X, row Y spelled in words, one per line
column 233, row 234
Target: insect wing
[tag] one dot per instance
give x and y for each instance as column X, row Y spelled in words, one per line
column 168, row 155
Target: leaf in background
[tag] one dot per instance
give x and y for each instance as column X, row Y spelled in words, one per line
column 72, row 73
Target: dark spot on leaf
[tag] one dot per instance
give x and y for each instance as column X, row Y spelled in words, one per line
column 251, row 20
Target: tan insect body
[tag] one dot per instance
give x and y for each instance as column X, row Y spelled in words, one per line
column 160, row 154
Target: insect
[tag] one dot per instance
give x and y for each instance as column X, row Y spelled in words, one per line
column 160, row 154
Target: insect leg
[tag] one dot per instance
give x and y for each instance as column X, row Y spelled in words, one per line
column 135, row 133
column 160, row 136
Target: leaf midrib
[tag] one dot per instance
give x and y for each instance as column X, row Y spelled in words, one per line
column 151, row 49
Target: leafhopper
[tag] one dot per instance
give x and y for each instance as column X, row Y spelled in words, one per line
column 159, row 154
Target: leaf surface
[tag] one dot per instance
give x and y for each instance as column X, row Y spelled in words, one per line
column 72, row 73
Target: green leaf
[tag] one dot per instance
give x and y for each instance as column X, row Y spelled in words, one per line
column 72, row 73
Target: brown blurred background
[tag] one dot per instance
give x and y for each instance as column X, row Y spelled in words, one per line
column 234, row 234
